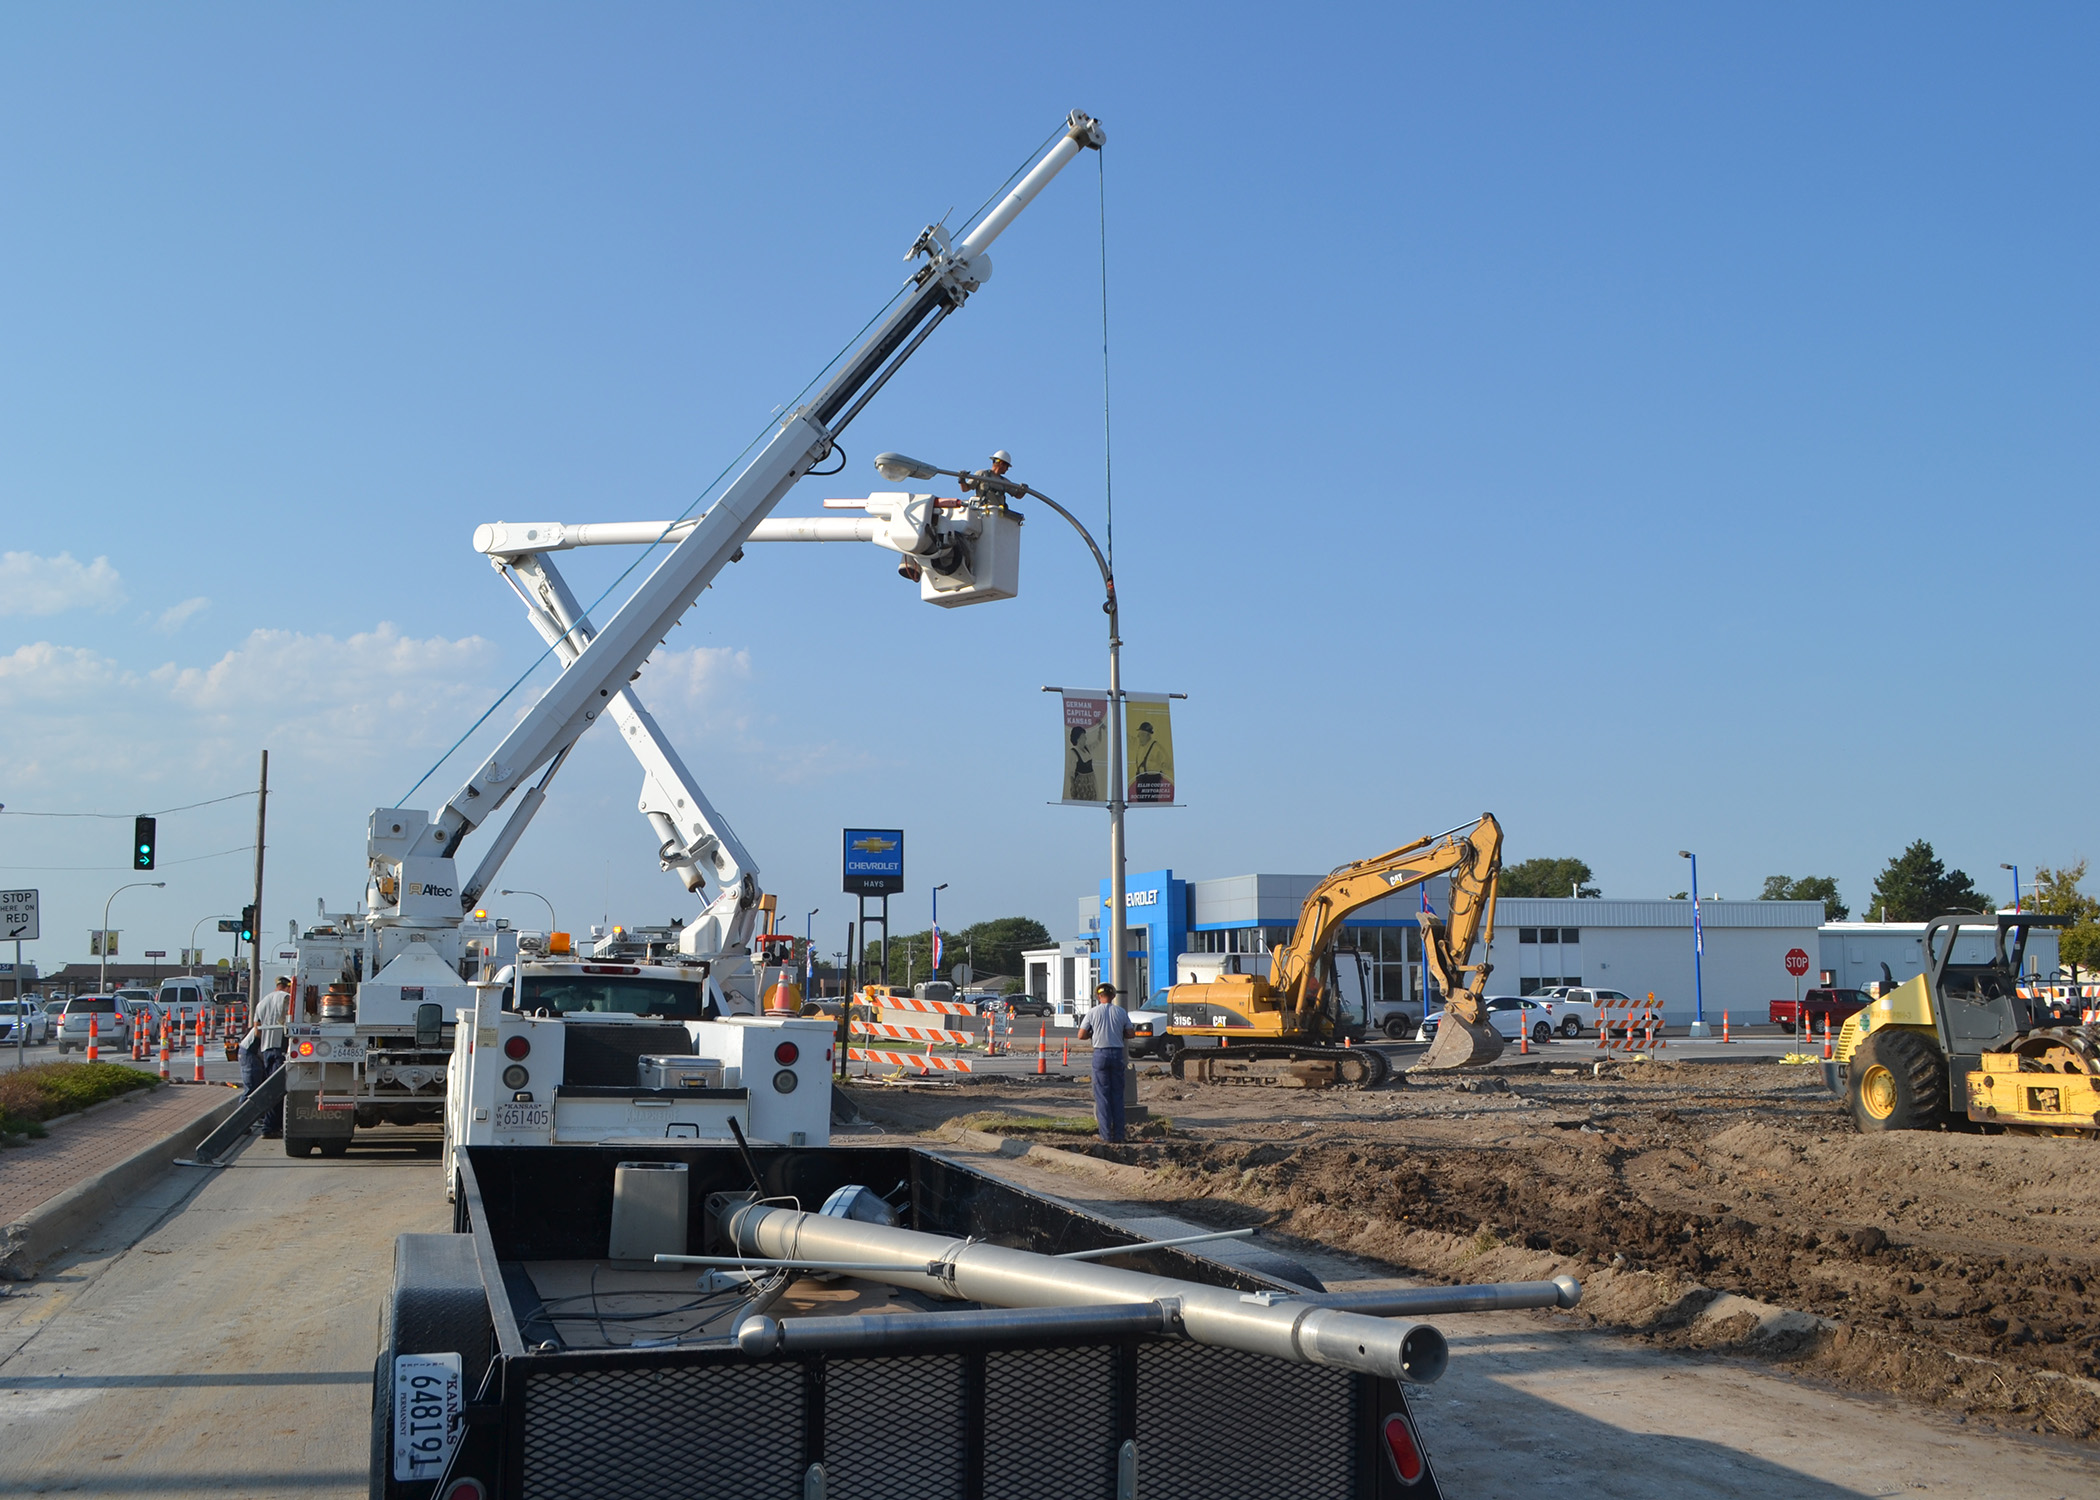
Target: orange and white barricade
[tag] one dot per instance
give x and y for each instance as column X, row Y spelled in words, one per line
column 1635, row 1024
column 924, row 1061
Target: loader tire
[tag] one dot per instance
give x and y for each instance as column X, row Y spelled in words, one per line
column 1898, row 1082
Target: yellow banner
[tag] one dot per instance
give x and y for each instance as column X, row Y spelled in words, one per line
column 1150, row 752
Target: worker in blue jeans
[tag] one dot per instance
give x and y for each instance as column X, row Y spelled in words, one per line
column 1107, row 1025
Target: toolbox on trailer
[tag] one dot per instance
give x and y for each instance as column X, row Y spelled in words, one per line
column 519, row 1359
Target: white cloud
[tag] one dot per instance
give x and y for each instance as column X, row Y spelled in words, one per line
column 176, row 616
column 33, row 585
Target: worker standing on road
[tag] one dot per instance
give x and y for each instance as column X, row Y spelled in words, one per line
column 262, row 1050
column 1108, row 1025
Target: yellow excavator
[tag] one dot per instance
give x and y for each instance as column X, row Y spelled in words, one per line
column 1287, row 1030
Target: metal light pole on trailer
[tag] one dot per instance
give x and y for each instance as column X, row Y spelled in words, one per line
column 1699, row 1026
column 933, row 957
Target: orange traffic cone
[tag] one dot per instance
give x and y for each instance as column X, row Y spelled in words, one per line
column 94, row 1035
column 1826, row 1039
column 1042, row 1050
column 1524, row 1039
column 199, row 1078
column 1724, row 1027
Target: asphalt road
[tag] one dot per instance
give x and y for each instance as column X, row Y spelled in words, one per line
column 215, row 1337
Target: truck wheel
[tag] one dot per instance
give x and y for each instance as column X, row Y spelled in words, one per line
column 1898, row 1082
column 1787, row 1027
column 335, row 1148
column 1572, row 1027
column 1398, row 1028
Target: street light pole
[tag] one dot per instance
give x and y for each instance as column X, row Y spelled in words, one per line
column 553, row 922
column 1699, row 1026
column 809, row 953
column 2016, row 883
column 102, row 979
column 933, row 957
column 215, row 917
column 992, row 482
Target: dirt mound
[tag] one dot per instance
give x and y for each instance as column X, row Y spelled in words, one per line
column 1713, row 1207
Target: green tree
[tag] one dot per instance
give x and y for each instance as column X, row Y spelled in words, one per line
column 991, row 948
column 1547, row 877
column 1823, row 888
column 1916, row 887
column 2056, row 892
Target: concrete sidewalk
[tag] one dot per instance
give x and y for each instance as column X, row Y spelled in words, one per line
column 79, row 1146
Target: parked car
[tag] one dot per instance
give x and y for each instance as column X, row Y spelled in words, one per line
column 137, row 1004
column 1575, row 1007
column 1027, row 1005
column 27, row 1014
column 112, row 1024
column 55, row 1013
column 1510, row 1015
column 1819, row 1007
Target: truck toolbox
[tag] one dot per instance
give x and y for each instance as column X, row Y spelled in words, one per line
column 612, row 1381
column 659, row 1072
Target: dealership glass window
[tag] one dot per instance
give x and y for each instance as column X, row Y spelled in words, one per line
column 1527, row 934
column 1571, row 934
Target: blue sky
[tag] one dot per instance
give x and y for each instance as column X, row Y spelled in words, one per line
column 1665, row 427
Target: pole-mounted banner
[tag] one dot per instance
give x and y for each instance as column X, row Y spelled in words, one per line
column 1085, row 749
column 1150, row 751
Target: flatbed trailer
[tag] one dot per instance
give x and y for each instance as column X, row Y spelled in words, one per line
column 554, row 1400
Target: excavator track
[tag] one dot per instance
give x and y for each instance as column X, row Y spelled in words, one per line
column 1284, row 1066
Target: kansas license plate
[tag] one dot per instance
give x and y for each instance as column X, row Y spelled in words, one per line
column 426, row 1413
column 524, row 1116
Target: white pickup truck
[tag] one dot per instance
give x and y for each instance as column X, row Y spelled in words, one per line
column 560, row 1053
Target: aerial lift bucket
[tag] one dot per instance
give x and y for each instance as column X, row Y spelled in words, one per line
column 1461, row 1044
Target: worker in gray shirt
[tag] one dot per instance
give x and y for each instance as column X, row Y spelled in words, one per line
column 262, row 1049
column 1108, row 1026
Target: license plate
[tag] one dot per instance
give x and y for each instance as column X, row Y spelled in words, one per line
column 426, row 1414
column 524, row 1116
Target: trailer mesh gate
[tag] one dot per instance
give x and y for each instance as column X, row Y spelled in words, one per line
column 1014, row 1424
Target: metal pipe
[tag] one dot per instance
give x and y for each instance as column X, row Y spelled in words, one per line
column 1262, row 1323
column 759, row 1335
column 1187, row 1239
column 1420, row 1301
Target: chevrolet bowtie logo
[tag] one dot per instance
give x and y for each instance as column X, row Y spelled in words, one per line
column 874, row 844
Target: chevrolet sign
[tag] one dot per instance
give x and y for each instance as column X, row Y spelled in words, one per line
column 874, row 861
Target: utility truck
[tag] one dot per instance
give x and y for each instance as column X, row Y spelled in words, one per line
column 384, row 990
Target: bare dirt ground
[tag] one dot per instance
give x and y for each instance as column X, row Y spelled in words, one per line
column 1711, row 1207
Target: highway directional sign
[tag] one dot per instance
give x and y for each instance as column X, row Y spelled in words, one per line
column 18, row 916
column 229, row 924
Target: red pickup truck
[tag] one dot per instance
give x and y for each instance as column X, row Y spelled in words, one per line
column 1819, row 1006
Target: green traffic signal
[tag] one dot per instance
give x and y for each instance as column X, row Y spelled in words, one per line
column 142, row 842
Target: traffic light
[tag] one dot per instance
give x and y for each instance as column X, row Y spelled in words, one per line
column 142, row 842
column 247, row 924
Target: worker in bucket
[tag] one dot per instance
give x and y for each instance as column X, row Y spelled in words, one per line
column 1107, row 1025
column 262, row 1049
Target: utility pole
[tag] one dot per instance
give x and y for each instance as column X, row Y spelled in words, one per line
column 262, row 802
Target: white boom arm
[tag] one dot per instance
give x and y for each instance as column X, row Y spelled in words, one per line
column 610, row 659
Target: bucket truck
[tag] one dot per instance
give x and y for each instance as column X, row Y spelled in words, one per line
column 404, row 958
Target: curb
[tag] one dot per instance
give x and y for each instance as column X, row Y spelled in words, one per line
column 1049, row 1156
column 52, row 1225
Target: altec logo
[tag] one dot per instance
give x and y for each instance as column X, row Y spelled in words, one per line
column 419, row 888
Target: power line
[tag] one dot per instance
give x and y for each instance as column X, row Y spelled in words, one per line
column 120, row 817
column 193, row 859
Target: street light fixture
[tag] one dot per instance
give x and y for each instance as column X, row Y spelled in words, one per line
column 989, row 481
column 223, row 916
column 1699, row 1026
column 102, row 979
column 2016, row 883
column 553, row 922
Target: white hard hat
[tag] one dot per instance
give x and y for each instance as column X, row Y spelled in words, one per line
column 1002, row 457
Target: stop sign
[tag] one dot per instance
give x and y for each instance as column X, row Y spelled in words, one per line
column 1796, row 962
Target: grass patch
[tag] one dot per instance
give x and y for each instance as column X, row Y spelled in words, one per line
column 995, row 1123
column 999, row 1124
column 32, row 1095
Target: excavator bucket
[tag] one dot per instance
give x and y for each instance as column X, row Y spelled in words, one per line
column 1461, row 1044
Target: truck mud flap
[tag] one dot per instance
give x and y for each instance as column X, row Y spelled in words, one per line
column 437, row 1306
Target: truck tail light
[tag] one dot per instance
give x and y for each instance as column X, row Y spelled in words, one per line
column 515, row 1077
column 784, row 1081
column 786, row 1053
column 466, row 1489
column 1402, row 1450
column 516, row 1048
